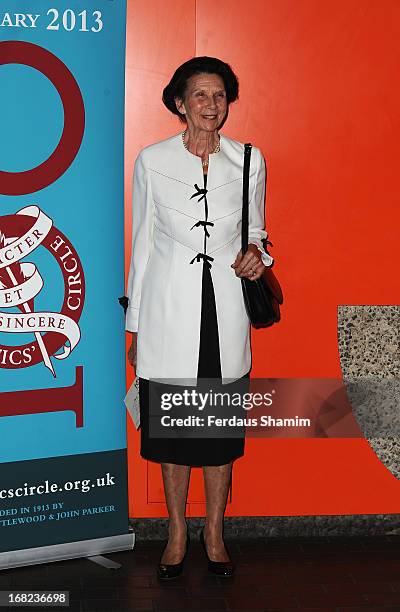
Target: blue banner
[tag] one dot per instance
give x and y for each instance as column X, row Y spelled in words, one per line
column 63, row 474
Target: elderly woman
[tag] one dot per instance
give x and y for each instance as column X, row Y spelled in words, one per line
column 186, row 310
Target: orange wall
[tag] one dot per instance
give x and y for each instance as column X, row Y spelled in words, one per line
column 319, row 95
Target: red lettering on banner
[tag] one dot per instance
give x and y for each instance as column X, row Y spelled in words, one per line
column 61, row 399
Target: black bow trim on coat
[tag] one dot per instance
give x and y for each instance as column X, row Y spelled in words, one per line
column 199, row 192
column 204, row 224
column 206, row 258
column 124, row 301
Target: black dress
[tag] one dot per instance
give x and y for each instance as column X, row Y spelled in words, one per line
column 195, row 451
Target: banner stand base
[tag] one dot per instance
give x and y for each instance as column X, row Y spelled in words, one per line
column 69, row 550
column 104, row 562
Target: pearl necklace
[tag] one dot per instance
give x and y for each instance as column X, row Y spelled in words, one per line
column 216, row 150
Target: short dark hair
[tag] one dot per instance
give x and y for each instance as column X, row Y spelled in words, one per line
column 177, row 86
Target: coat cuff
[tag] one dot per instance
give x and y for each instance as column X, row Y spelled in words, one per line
column 265, row 257
column 132, row 319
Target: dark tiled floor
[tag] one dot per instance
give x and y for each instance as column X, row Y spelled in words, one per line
column 330, row 574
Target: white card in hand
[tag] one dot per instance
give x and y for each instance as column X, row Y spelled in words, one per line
column 132, row 402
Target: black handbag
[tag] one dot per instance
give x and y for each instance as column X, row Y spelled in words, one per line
column 263, row 296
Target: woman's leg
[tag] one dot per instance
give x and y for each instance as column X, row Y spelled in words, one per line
column 176, row 482
column 216, row 484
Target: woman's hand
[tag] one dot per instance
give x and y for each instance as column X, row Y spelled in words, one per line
column 132, row 350
column 250, row 264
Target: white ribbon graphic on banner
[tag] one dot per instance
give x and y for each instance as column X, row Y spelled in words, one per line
column 19, row 289
column 43, row 322
column 21, row 247
column 23, row 292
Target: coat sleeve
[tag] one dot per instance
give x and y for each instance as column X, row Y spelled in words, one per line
column 257, row 232
column 142, row 240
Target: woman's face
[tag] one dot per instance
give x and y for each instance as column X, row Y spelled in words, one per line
column 205, row 104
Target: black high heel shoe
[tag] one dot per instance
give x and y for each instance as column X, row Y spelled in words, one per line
column 166, row 571
column 224, row 569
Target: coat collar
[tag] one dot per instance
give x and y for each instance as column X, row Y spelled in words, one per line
column 180, row 164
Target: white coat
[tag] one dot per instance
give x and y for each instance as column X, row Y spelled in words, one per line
column 165, row 277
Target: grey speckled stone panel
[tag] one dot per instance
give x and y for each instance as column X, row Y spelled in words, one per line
column 279, row 526
column 369, row 348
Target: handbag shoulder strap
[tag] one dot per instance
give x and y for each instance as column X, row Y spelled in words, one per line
column 245, row 208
